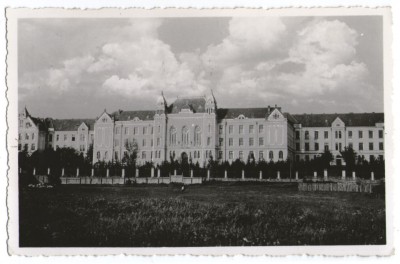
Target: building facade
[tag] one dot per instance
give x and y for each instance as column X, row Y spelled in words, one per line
column 197, row 130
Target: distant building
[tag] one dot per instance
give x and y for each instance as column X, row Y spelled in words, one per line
column 196, row 130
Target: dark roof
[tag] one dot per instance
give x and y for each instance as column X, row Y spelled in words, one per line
column 232, row 113
column 350, row 119
column 130, row 115
column 70, row 124
column 196, row 104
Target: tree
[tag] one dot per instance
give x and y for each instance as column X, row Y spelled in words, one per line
column 130, row 155
column 326, row 158
column 349, row 156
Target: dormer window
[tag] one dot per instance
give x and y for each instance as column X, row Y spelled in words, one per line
column 241, row 117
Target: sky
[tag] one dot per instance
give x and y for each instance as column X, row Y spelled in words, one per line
column 77, row 67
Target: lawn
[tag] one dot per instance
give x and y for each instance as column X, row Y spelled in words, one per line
column 219, row 214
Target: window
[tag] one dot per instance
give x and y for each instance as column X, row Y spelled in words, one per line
column 306, row 135
column 297, row 134
column 360, row 134
column 152, row 130
column 27, row 125
column 241, row 155
column 57, row 137
column 116, row 155
column 350, row 133
column 360, row 146
column 307, row 158
column 33, row 147
column 26, row 147
column 82, row 137
column 298, row 146
column 251, row 129
column 261, row 155
column 338, row 134
column 316, row 146
column 230, row 155
column 315, row 134
column 195, row 155
column 326, row 147
column 240, row 141
column 281, row 154
column 221, row 129
column 158, row 141
column 65, row 137
column 261, row 129
column 230, row 129
column 326, row 134
column 185, row 136
column 116, row 143
column 106, row 155
column 351, row 145
column 380, row 133
column 208, row 141
column 135, row 130
column 26, row 136
column 230, row 141
column 117, row 130
column 371, row 157
column 220, row 154
column 82, row 147
column 172, row 139
column 251, row 141
column 261, row 141
column 73, row 137
column 144, row 142
column 307, row 146
column 221, row 142
column 209, row 128
column 297, row 158
column 144, row 130
column 371, row 146
column 126, row 130
column 271, row 155
column 21, row 123
column 143, row 154
column 19, row 136
column 159, row 129
column 33, row 136
column 240, row 129
column 197, row 136
column 98, row 155
column 380, row 145
column 370, row 134
column 151, row 143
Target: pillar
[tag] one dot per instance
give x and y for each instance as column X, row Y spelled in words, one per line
column 343, row 174
column 123, row 173
column 226, row 174
column 325, row 174
column 159, row 173
column 77, row 172
column 278, row 175
column 62, row 172
column 137, row 173
column 92, row 172
column 354, row 175
column 208, row 174
column 34, row 171
column 108, row 173
column 261, row 175
column 297, row 175
column 48, row 171
column 191, row 173
column 315, row 174
column 372, row 176
column 152, row 172
column 243, row 175
column 175, row 172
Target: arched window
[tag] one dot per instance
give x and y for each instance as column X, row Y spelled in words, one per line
column 197, row 136
column 98, row 155
column 281, row 154
column 185, row 136
column 271, row 155
column 172, row 134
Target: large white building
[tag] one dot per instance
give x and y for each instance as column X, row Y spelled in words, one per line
column 196, row 129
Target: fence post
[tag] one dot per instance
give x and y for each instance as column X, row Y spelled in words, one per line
column 123, row 173
column 137, row 173
column 48, row 171
column 108, row 172
column 372, row 176
column 152, row 172
column 159, row 173
column 34, row 171
column 92, row 173
column 62, row 172
column 77, row 172
column 278, row 175
column 260, row 175
column 297, row 175
column 354, row 175
column 226, row 174
column 326, row 174
column 191, row 173
column 208, row 174
column 343, row 174
column 315, row 174
column 175, row 172
column 243, row 175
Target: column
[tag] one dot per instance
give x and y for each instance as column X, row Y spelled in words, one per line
column 137, row 173
column 77, row 172
column 278, row 175
column 326, row 174
column 62, row 172
column 315, row 174
column 243, row 175
column 123, row 173
column 48, row 171
column 354, row 175
column 261, row 175
column 92, row 173
column 297, row 175
column 175, row 172
column 159, row 173
column 226, row 174
column 108, row 173
column 152, row 172
column 191, row 173
column 372, row 176
column 208, row 174
column 343, row 174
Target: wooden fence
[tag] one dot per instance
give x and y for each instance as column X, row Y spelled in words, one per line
column 336, row 187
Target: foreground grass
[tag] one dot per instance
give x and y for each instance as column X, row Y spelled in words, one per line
column 206, row 215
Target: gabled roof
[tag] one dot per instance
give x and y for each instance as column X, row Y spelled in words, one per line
column 195, row 104
column 350, row 119
column 130, row 115
column 232, row 113
column 71, row 124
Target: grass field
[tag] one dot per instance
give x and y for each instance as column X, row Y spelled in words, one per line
column 205, row 215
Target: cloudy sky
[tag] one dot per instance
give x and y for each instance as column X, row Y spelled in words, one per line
column 71, row 68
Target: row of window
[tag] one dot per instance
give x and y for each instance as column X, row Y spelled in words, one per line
column 27, row 124
column 145, row 130
column 250, row 129
column 338, row 134
column 307, row 157
column 232, row 155
column 26, row 147
column 338, row 146
column 26, row 136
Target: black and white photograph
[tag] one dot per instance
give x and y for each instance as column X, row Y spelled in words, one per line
column 142, row 129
